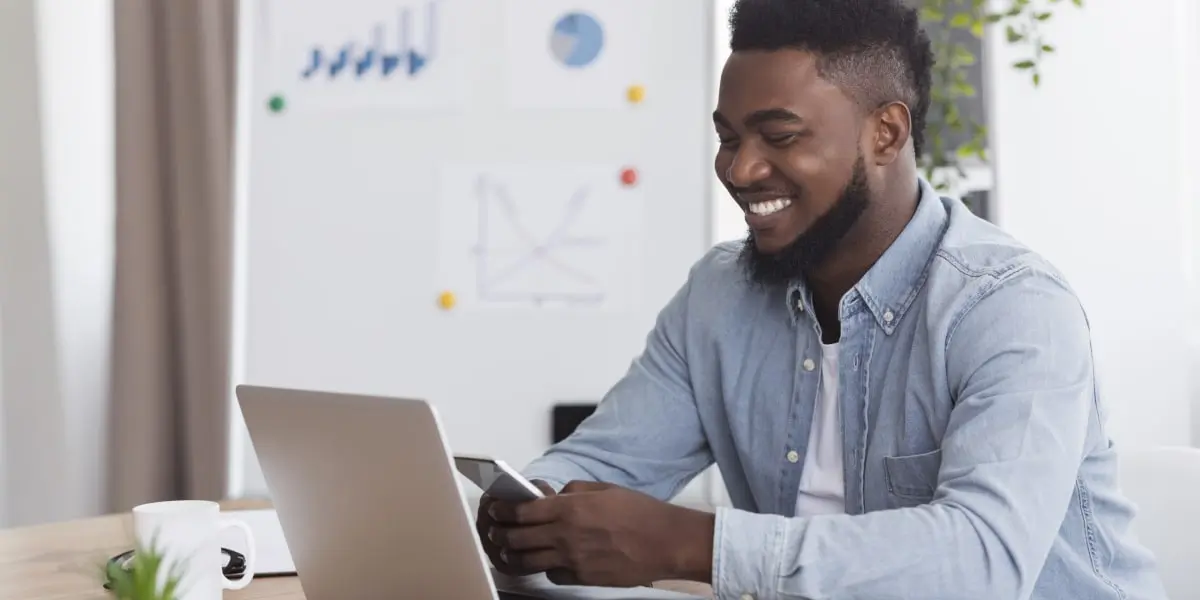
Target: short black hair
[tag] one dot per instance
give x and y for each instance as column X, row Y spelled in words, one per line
column 875, row 50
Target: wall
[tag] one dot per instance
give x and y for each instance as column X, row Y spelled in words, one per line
column 76, row 47
column 1187, row 33
column 55, row 256
column 33, row 418
column 1091, row 171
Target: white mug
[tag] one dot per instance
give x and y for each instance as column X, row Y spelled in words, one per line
column 185, row 533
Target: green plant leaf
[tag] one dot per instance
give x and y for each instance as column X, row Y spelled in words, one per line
column 965, row 89
column 1047, row 48
column 1037, row 79
column 962, row 57
column 993, row 18
column 1078, row 3
column 140, row 580
column 961, row 20
column 929, row 13
column 1012, row 35
column 1024, row 64
column 1043, row 16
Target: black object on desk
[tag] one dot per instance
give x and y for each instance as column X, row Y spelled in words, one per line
column 566, row 417
column 234, row 567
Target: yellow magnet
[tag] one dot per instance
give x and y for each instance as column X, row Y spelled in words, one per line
column 636, row 94
column 446, row 300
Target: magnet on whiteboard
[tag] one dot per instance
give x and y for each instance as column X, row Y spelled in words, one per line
column 446, row 300
column 276, row 103
column 629, row 176
column 636, row 94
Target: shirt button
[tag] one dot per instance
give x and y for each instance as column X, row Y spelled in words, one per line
column 888, row 316
column 809, row 364
column 799, row 307
column 793, row 456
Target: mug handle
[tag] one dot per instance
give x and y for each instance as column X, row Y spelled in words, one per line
column 251, row 555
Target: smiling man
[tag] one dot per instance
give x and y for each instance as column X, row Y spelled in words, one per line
column 900, row 397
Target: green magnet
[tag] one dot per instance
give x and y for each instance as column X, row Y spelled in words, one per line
column 276, row 103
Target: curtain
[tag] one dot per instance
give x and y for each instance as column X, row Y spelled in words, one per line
column 175, row 74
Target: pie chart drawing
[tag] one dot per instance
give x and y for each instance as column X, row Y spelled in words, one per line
column 577, row 39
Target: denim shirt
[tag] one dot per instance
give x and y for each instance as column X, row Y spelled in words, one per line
column 976, row 461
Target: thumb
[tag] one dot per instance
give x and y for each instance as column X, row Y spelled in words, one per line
column 576, row 487
column 545, row 487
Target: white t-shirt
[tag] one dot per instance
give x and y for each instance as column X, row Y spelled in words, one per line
column 822, row 484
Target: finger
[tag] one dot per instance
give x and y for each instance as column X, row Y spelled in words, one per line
column 489, row 547
column 576, row 487
column 537, row 561
column 546, row 489
column 535, row 537
column 562, row 576
column 533, row 512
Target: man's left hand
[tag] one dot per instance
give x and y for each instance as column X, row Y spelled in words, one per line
column 605, row 535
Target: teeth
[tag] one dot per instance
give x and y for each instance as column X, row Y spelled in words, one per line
column 768, row 207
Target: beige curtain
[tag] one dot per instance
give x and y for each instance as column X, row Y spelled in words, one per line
column 175, row 65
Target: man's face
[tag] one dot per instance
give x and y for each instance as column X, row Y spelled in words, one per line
column 791, row 157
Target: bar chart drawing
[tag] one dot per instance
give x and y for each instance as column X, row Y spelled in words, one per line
column 515, row 238
column 400, row 54
column 387, row 50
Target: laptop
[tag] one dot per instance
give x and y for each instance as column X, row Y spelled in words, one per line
column 370, row 505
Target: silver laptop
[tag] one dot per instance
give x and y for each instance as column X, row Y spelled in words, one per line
column 369, row 501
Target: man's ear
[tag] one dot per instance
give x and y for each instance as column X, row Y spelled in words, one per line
column 892, row 130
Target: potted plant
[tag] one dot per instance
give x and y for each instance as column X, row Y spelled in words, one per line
column 142, row 577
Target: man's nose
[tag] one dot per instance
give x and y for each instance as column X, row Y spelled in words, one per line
column 747, row 168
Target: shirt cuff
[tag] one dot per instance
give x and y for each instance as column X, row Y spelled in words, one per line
column 746, row 551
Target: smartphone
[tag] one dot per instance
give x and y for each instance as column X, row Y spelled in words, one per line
column 496, row 478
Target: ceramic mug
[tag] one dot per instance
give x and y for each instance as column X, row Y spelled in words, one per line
column 186, row 534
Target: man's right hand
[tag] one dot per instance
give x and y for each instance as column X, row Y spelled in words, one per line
column 484, row 524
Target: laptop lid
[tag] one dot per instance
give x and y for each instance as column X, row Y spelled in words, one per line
column 366, row 495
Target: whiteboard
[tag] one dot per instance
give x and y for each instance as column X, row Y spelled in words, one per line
column 477, row 202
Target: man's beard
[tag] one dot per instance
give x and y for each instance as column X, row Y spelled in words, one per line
column 815, row 244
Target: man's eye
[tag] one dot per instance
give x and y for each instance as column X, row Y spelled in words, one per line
column 726, row 141
column 781, row 139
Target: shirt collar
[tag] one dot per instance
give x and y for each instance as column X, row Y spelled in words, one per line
column 892, row 283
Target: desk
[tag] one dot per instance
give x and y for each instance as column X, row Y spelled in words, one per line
column 62, row 561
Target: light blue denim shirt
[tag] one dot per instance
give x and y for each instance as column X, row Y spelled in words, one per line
column 975, row 454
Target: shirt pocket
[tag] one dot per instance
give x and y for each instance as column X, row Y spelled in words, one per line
column 912, row 479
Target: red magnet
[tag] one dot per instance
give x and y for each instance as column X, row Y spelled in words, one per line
column 629, row 176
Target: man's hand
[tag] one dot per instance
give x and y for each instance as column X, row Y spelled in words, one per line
column 599, row 534
column 485, row 523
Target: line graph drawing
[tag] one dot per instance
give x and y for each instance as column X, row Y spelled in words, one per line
column 553, row 250
column 378, row 56
column 539, row 236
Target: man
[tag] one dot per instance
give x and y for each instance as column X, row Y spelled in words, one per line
column 900, row 397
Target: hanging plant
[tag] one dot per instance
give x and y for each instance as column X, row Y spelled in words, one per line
column 1021, row 25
